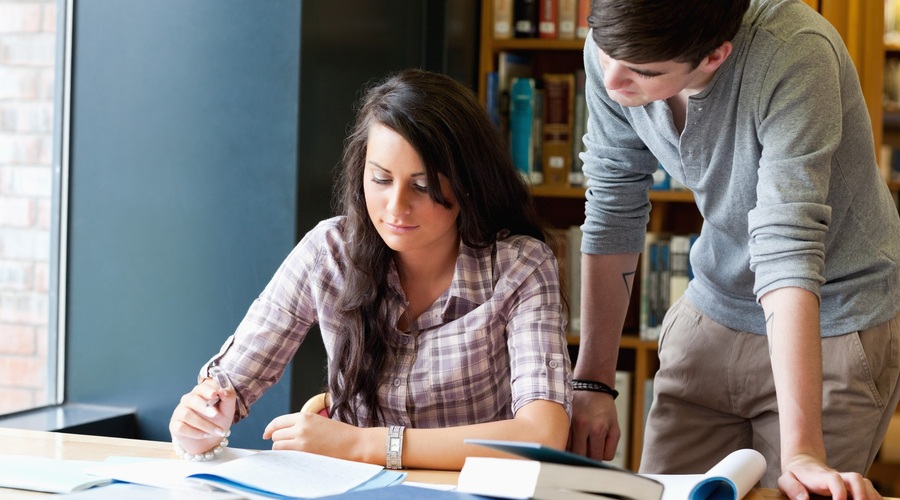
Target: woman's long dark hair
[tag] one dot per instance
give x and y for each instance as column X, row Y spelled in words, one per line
column 443, row 121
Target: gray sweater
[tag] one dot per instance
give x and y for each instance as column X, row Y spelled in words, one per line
column 778, row 151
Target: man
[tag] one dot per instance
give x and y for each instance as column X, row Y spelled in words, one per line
column 756, row 107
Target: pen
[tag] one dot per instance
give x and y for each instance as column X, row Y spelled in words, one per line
column 218, row 375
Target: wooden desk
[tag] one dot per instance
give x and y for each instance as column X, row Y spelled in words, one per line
column 79, row 447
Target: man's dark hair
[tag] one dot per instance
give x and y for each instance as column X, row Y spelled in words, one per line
column 646, row 31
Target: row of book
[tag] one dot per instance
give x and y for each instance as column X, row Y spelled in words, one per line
column 543, row 117
column 664, row 276
column 665, row 271
column 548, row 19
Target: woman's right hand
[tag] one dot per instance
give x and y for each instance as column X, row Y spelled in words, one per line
column 203, row 417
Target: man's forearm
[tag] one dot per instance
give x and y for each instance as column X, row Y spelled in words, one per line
column 792, row 325
column 606, row 285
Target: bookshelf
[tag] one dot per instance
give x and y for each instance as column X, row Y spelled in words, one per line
column 563, row 206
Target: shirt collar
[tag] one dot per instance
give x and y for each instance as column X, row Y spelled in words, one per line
column 472, row 285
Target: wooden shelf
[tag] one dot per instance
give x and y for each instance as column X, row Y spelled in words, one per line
column 658, row 195
column 892, row 43
column 537, row 44
column 629, row 341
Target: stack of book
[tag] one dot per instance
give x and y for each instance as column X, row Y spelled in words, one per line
column 664, row 276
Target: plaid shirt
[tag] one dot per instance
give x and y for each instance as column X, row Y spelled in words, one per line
column 491, row 343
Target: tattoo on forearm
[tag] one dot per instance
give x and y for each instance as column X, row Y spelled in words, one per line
column 625, row 277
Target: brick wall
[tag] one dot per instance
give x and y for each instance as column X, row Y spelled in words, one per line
column 27, row 58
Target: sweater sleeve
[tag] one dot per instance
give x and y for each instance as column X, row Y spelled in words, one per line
column 618, row 167
column 799, row 130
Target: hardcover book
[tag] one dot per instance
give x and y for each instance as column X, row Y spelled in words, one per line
column 568, row 12
column 503, row 19
column 525, row 17
column 581, row 25
column 548, row 473
column 521, row 122
column 559, row 102
column 548, row 14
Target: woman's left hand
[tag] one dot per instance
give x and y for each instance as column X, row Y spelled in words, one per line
column 316, row 434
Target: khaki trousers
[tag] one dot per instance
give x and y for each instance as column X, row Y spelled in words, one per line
column 714, row 393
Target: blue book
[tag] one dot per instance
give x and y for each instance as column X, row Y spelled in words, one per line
column 492, row 97
column 539, row 452
column 661, row 179
column 521, row 121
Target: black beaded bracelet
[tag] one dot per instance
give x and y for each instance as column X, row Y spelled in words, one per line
column 590, row 385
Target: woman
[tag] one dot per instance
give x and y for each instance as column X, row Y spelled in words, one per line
column 438, row 301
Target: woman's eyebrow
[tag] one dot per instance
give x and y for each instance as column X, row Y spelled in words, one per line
column 383, row 169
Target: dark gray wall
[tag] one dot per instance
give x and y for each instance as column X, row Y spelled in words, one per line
column 205, row 136
column 183, row 192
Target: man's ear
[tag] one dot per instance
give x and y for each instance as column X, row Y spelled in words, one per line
column 715, row 59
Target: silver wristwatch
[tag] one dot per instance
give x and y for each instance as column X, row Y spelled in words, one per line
column 394, row 447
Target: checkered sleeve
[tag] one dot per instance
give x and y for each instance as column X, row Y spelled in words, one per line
column 539, row 358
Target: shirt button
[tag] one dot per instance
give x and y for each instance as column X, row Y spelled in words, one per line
column 396, row 382
column 553, row 363
column 404, row 340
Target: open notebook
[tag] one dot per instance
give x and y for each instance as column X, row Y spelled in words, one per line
column 255, row 475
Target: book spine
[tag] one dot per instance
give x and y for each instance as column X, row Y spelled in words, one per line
column 521, row 120
column 492, row 97
column 661, row 179
column 503, row 19
column 574, row 282
column 579, row 128
column 662, row 303
column 548, row 15
column 536, row 176
column 559, row 101
column 568, row 12
column 581, row 24
column 678, row 276
column 647, row 287
column 623, row 414
column 509, row 65
column 525, row 18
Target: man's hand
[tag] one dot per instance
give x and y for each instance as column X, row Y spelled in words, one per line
column 595, row 427
column 805, row 474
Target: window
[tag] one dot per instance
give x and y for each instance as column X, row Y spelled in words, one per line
column 29, row 205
